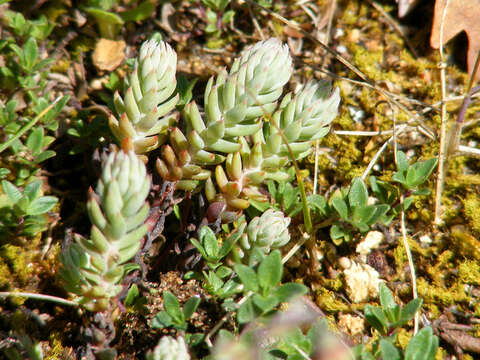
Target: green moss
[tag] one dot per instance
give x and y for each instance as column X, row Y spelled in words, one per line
column 472, row 204
column 464, row 243
column 333, row 284
column 441, row 354
column 369, row 62
column 328, row 302
column 400, row 260
column 17, row 261
column 469, row 272
column 403, row 337
column 5, row 275
column 440, row 295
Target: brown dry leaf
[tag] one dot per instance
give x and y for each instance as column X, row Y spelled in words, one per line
column 461, row 15
column 109, row 54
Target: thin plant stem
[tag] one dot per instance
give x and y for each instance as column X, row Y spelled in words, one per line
column 467, row 150
column 307, row 218
column 443, row 129
column 411, row 265
column 455, row 132
column 43, row 297
column 333, row 6
column 27, row 127
column 374, row 160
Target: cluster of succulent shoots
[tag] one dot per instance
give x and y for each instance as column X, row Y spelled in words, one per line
column 94, row 268
column 239, row 137
column 243, row 136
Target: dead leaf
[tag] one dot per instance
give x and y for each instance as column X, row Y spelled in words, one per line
column 109, row 54
column 461, row 15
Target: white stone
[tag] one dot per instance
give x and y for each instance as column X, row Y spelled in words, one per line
column 425, row 239
column 361, row 282
column 372, row 240
column 352, row 324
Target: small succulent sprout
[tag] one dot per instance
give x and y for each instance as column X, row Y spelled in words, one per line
column 245, row 173
column 169, row 348
column 183, row 160
column 267, row 232
column 144, row 109
column 304, row 118
column 93, row 268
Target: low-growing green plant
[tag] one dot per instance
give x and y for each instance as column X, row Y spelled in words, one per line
column 23, row 212
column 261, row 285
column 354, row 209
column 389, row 318
column 109, row 23
column 24, row 348
column 217, row 279
column 174, row 315
column 216, row 16
column 283, row 336
column 39, row 28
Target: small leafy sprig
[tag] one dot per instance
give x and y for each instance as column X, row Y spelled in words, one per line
column 216, row 16
column 174, row 315
column 355, row 209
column 263, row 286
column 218, row 281
column 24, row 210
column 387, row 320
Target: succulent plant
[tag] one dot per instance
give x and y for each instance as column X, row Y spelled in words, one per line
column 241, row 139
column 93, row 268
column 302, row 119
column 234, row 105
column 143, row 110
column 265, row 233
column 169, row 348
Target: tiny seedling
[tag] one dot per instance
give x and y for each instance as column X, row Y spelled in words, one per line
column 174, row 315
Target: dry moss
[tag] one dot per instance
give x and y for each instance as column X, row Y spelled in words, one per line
column 56, row 350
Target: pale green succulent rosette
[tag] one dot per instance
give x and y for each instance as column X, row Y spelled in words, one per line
column 144, row 109
column 93, row 268
column 264, row 234
column 169, row 348
column 303, row 119
column 234, row 104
